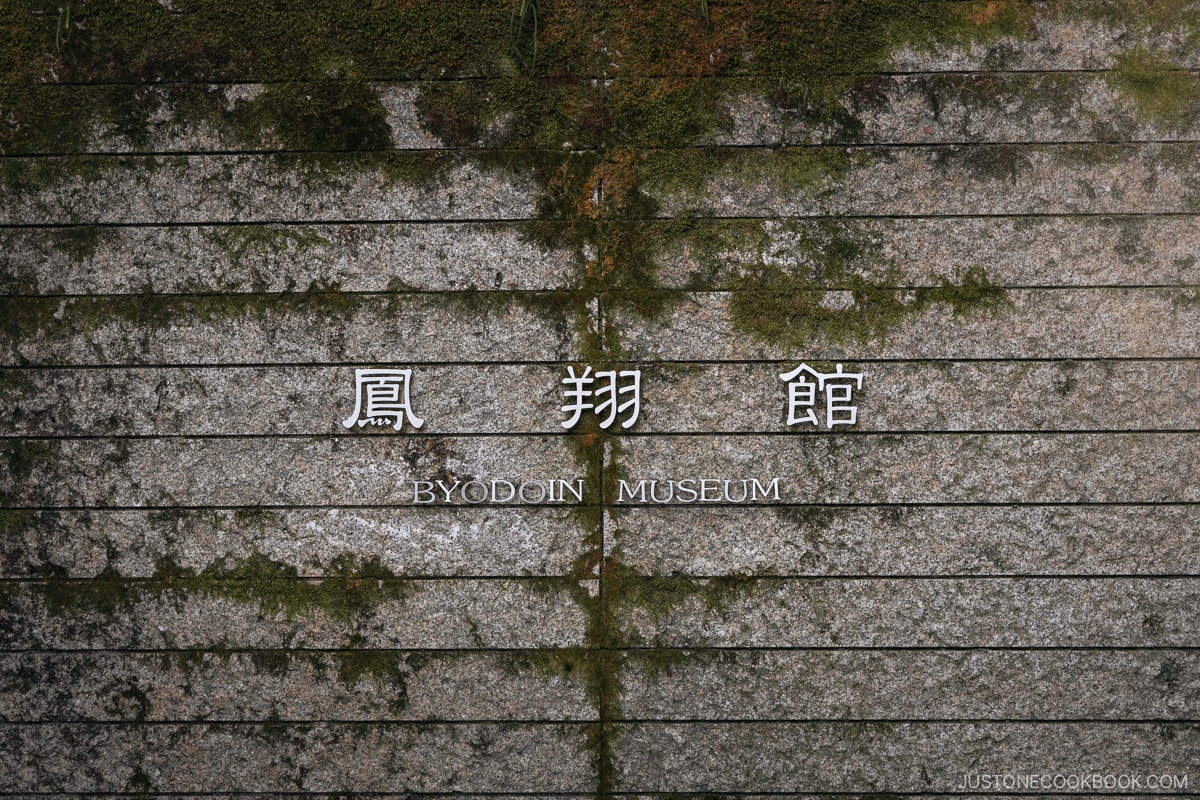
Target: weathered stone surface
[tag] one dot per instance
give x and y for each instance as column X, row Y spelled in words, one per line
column 416, row 541
column 269, row 471
column 906, row 540
column 1079, row 35
column 172, row 129
column 677, row 398
column 294, row 328
column 320, row 757
column 262, row 188
column 910, row 685
column 242, row 614
column 952, row 612
column 371, row 257
column 973, row 107
column 937, row 396
column 664, row 796
column 995, row 571
column 966, row 468
column 1032, row 323
column 949, row 179
column 290, row 686
column 920, row 108
column 882, row 757
column 474, row 398
column 380, row 796
column 1012, row 251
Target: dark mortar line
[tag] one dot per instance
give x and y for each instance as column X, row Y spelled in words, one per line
column 863, row 217
column 643, row 721
column 299, row 652
column 624, row 722
column 518, row 651
column 1189, row 722
column 815, row 216
column 868, row 577
column 907, row 433
column 935, row 795
column 658, row 364
column 379, row 795
column 763, row 577
column 188, row 582
column 571, row 580
column 810, row 432
column 850, row 144
column 561, row 221
column 398, row 795
column 565, row 506
column 596, row 641
column 585, row 722
column 772, row 148
column 551, row 434
column 686, row 649
column 780, row 362
column 631, row 794
column 382, row 795
column 981, row 72
column 736, row 77
column 567, row 579
column 475, row 293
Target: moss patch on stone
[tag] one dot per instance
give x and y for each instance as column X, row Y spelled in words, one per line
column 822, row 294
column 349, row 589
column 607, row 112
column 1161, row 91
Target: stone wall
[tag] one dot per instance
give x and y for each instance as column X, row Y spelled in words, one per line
column 210, row 586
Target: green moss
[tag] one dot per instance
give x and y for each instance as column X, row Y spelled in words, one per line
column 783, row 308
column 324, row 115
column 59, row 319
column 606, row 155
column 14, row 524
column 23, row 458
column 570, row 663
column 141, row 41
column 105, row 594
column 349, row 590
column 79, row 242
column 1161, row 91
column 974, row 292
column 139, row 783
column 1142, row 19
column 17, row 388
column 254, row 517
column 239, row 242
column 627, row 138
column 989, row 162
column 628, row 590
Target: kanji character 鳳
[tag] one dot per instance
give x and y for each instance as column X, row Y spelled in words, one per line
column 380, row 396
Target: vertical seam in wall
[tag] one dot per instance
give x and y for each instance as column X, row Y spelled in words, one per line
column 603, row 779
